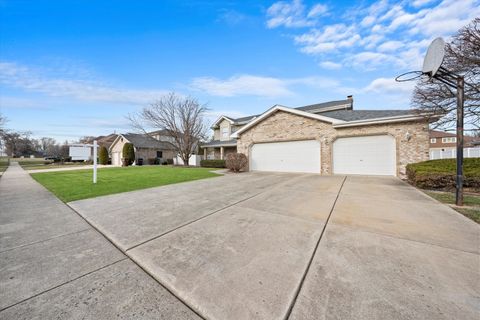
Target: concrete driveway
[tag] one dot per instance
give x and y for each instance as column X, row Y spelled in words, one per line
column 298, row 246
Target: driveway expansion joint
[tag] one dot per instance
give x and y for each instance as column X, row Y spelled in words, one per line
column 44, row 240
column 302, row 280
column 62, row 284
column 363, row 229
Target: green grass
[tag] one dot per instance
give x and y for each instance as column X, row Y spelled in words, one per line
column 77, row 184
column 40, row 163
column 471, row 166
column 3, row 163
column 471, row 202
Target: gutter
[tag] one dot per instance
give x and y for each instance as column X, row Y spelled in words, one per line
column 383, row 120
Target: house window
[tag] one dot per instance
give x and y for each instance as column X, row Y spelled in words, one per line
column 433, row 140
column 159, row 154
column 449, row 140
column 225, row 132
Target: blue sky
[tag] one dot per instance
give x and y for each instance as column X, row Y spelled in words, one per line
column 75, row 68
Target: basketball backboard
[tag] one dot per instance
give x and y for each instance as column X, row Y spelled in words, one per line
column 434, row 57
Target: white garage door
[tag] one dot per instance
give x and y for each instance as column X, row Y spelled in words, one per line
column 293, row 156
column 372, row 155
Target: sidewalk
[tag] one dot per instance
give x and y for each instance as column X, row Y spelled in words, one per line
column 53, row 265
column 66, row 168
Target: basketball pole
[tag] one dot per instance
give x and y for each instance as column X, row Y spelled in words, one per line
column 460, row 104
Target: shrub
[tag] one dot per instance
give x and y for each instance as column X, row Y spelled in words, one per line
column 441, row 174
column 212, row 163
column 128, row 154
column 169, row 161
column 153, row 161
column 103, row 155
column 236, row 161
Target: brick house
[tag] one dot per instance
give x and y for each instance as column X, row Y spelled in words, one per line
column 327, row 138
column 146, row 147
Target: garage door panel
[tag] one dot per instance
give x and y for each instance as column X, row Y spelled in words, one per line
column 292, row 156
column 369, row 155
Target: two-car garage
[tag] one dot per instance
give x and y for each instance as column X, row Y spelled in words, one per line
column 367, row 155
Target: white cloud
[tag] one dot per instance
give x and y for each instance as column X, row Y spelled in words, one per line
column 421, row 3
column 330, row 38
column 293, row 14
column 383, row 34
column 390, row 86
column 389, row 46
column 260, row 86
column 32, row 80
column 330, row 65
column 317, row 10
column 242, row 85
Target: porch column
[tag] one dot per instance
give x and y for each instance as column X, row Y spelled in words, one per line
column 204, row 153
column 221, row 153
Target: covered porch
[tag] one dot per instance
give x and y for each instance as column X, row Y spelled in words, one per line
column 218, row 149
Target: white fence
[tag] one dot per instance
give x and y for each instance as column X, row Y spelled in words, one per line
column 452, row 153
column 193, row 161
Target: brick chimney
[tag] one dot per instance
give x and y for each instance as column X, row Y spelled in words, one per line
column 350, row 98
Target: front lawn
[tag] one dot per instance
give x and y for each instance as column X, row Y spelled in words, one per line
column 76, row 185
column 471, row 208
column 4, row 162
column 40, row 163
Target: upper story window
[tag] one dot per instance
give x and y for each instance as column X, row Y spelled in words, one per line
column 225, row 133
column 449, row 140
column 433, row 140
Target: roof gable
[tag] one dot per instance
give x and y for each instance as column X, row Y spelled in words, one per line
column 276, row 108
column 144, row 141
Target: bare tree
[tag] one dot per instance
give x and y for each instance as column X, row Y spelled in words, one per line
column 181, row 117
column 47, row 146
column 462, row 57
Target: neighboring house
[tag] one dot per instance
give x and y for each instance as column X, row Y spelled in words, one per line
column 145, row 148
column 326, row 138
column 444, row 145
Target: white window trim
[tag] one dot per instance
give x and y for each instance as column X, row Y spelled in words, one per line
column 449, row 140
column 433, row 140
column 225, row 132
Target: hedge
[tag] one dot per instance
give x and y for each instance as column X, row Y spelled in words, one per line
column 128, row 154
column 441, row 174
column 103, row 155
column 212, row 163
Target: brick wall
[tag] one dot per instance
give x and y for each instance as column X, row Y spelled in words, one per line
column 284, row 126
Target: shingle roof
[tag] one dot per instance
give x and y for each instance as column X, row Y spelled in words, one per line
column 352, row 115
column 325, row 105
column 243, row 119
column 144, row 141
column 440, row 134
column 219, row 143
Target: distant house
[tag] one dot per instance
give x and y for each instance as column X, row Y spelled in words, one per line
column 146, row 148
column 444, row 144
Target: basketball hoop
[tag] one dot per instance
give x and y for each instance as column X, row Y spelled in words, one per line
column 432, row 68
column 409, row 76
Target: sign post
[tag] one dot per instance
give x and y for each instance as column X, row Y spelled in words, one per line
column 95, row 161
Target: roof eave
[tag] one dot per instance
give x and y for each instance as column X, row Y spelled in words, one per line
column 404, row 118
